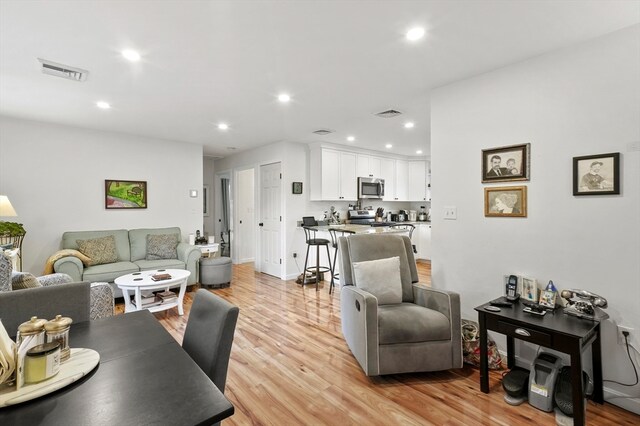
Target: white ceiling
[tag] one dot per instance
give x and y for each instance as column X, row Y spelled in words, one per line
column 206, row 62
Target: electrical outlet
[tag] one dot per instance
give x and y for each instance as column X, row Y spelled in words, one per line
column 450, row 213
column 632, row 338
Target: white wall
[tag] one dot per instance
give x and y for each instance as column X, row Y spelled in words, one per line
column 578, row 101
column 54, row 176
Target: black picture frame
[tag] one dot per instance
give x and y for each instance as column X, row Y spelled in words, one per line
column 296, row 188
column 513, row 163
column 596, row 174
column 125, row 194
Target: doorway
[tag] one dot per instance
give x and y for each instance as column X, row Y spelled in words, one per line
column 244, row 218
column 222, row 225
column 271, row 219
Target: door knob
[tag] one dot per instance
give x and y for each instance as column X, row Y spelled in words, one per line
column 261, row 224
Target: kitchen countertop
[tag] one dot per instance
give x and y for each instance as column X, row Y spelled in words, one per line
column 359, row 229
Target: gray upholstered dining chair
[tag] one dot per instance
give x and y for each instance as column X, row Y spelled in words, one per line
column 71, row 300
column 209, row 335
column 406, row 326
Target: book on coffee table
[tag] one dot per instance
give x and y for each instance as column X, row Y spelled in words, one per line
column 160, row 277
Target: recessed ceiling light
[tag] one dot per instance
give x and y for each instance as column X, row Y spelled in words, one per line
column 223, row 126
column 103, row 105
column 388, row 146
column 415, row 34
column 351, row 138
column 419, row 151
column 408, row 125
column 283, row 97
column 131, row 55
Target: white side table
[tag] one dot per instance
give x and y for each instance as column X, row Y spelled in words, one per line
column 208, row 249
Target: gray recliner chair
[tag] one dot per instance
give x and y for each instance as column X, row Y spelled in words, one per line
column 422, row 333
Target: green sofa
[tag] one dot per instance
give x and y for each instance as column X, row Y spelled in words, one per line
column 131, row 248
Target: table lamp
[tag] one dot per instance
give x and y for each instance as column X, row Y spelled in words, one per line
column 6, row 209
column 10, row 232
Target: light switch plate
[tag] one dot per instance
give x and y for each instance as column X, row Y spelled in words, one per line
column 450, row 213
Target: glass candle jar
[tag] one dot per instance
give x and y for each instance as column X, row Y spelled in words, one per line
column 42, row 362
column 33, row 327
column 58, row 331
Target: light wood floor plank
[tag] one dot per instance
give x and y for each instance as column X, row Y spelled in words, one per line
column 290, row 365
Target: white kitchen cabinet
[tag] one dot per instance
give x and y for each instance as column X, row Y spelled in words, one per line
column 388, row 173
column 368, row 166
column 422, row 240
column 332, row 175
column 402, row 180
column 417, row 190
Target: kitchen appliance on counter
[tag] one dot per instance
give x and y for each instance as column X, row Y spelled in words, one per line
column 372, row 188
column 366, row 217
column 402, row 216
column 413, row 215
column 423, row 216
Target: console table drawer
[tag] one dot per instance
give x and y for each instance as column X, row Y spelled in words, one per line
column 524, row 333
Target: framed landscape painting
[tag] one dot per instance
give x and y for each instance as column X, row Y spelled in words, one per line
column 596, row 174
column 125, row 194
column 506, row 164
column 505, row 201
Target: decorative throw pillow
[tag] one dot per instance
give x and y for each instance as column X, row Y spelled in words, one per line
column 5, row 273
column 100, row 250
column 162, row 246
column 381, row 278
column 23, row 280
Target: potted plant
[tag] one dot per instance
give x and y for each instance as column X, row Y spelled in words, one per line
column 11, row 229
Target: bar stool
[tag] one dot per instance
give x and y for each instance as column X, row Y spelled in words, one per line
column 334, row 242
column 310, row 235
column 409, row 227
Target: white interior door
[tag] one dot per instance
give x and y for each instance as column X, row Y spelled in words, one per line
column 270, row 219
column 245, row 224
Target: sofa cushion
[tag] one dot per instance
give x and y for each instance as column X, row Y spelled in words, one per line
column 121, row 236
column 162, row 246
column 100, row 250
column 5, row 273
column 381, row 278
column 147, row 265
column 109, row 271
column 138, row 240
column 23, row 280
column 411, row 323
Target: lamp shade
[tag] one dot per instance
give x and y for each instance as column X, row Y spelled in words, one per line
column 6, row 209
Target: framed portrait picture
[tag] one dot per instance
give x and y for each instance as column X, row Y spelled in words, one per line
column 505, row 201
column 596, row 174
column 125, row 194
column 507, row 163
column 296, row 188
column 548, row 299
column 529, row 289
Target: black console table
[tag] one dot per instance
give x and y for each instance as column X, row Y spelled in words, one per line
column 556, row 331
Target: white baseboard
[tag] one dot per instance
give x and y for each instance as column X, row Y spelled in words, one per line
column 622, row 400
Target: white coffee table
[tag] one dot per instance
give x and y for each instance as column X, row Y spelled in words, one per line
column 138, row 282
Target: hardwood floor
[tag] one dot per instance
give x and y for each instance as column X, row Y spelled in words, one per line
column 290, row 365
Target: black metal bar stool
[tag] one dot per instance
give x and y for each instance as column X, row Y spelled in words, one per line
column 310, row 235
column 408, row 227
column 334, row 243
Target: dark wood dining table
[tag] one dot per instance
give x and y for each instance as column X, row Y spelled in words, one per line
column 144, row 378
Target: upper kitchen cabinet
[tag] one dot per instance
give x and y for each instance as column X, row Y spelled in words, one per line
column 368, row 166
column 332, row 175
column 396, row 179
column 417, row 181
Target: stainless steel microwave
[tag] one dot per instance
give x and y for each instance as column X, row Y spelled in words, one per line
column 370, row 188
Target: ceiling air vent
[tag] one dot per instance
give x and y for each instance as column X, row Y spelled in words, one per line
column 323, row 132
column 64, row 71
column 389, row 113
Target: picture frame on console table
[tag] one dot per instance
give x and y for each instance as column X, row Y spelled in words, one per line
column 125, row 194
column 505, row 201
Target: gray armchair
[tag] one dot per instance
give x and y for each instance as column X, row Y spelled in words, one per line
column 422, row 333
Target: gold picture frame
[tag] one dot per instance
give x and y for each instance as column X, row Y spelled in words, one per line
column 505, row 201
